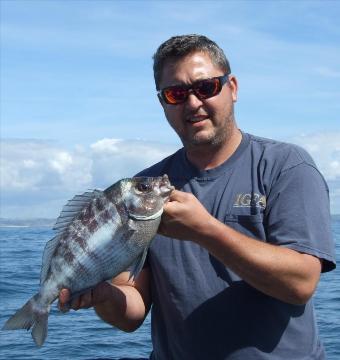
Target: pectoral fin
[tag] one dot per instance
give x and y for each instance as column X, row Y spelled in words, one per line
column 138, row 265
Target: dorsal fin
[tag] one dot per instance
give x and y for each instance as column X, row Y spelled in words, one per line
column 72, row 209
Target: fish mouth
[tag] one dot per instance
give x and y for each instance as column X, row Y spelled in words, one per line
column 165, row 186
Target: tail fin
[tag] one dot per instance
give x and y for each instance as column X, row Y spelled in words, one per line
column 32, row 314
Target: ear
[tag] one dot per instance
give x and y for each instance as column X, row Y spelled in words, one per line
column 233, row 87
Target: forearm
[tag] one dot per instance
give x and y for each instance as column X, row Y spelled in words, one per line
column 276, row 271
column 124, row 308
column 124, row 303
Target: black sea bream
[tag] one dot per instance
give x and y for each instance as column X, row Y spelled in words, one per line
column 99, row 235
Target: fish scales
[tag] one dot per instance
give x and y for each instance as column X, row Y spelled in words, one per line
column 99, row 235
column 77, row 243
column 85, row 238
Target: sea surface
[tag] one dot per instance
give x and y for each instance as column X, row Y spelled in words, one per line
column 81, row 335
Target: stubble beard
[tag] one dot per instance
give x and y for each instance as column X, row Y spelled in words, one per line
column 217, row 137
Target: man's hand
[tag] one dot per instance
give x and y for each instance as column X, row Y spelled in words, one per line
column 123, row 303
column 276, row 271
column 89, row 299
column 104, row 291
column 184, row 217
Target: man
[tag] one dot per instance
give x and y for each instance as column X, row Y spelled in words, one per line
column 244, row 237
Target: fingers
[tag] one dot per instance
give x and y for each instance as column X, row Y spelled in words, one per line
column 83, row 301
column 179, row 196
column 183, row 217
column 86, row 300
column 176, row 198
column 64, row 298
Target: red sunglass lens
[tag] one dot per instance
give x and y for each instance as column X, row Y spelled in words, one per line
column 207, row 88
column 203, row 89
column 175, row 95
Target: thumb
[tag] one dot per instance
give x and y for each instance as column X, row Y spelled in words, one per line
column 64, row 296
column 179, row 196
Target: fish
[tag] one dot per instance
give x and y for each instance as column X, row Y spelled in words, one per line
column 99, row 234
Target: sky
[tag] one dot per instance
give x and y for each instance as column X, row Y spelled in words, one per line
column 78, row 103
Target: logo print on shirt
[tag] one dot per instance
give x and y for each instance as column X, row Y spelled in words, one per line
column 250, row 200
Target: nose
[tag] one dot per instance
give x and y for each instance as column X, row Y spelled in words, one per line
column 193, row 102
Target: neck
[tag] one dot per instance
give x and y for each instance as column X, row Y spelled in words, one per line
column 208, row 156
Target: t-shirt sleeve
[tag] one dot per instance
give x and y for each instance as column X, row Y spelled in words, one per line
column 298, row 214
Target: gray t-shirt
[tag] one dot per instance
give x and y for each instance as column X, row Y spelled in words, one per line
column 270, row 191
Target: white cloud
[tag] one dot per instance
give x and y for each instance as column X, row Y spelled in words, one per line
column 33, row 165
column 325, row 150
column 38, row 177
column 62, row 162
column 114, row 159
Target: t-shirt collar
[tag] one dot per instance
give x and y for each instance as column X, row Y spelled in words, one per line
column 192, row 171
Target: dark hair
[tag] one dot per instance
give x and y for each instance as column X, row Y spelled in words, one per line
column 180, row 46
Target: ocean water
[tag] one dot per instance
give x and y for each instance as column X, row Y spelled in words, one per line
column 81, row 335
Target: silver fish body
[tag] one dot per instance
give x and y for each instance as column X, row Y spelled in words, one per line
column 99, row 235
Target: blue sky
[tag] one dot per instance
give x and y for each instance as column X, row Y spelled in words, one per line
column 78, row 102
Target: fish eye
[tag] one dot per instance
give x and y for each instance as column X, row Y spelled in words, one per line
column 143, row 187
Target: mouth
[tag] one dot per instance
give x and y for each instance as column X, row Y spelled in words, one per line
column 197, row 119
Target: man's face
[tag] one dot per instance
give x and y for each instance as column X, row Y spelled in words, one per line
column 199, row 122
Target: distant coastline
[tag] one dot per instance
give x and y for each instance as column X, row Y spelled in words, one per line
column 43, row 222
column 38, row 222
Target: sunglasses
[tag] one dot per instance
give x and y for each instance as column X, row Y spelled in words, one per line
column 203, row 89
